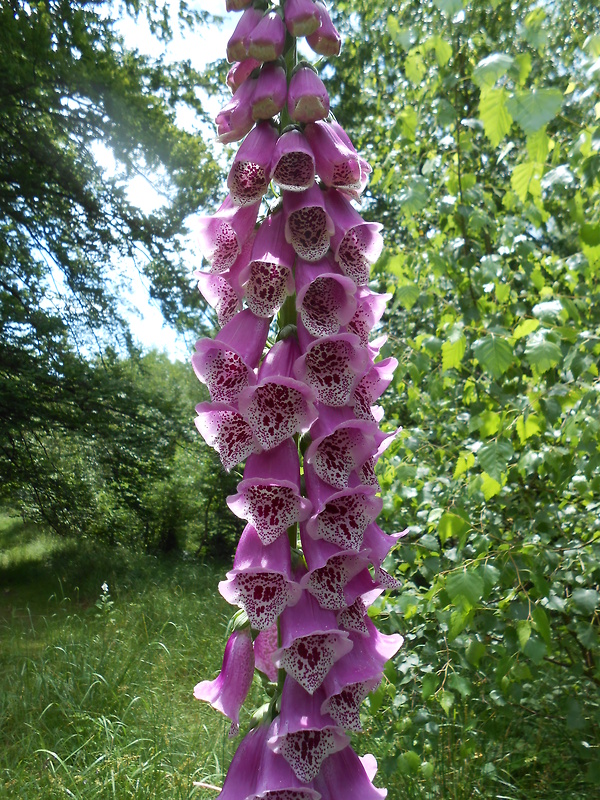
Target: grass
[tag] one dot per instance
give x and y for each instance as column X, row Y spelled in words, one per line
column 96, row 686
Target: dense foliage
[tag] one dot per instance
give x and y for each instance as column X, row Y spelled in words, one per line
column 482, row 122
column 69, row 234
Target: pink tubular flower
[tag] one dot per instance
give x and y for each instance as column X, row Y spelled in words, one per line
column 293, row 162
column 270, row 91
column 229, row 690
column 325, row 41
column 266, row 40
column 365, row 167
column 308, row 100
column 332, row 366
column 324, row 297
column 237, row 49
column 269, row 278
column 345, row 776
column 260, row 581
column 337, row 164
column 222, row 235
column 220, row 295
column 301, row 17
column 278, row 406
column 235, row 119
column 308, row 226
column 311, row 642
column 224, row 429
column 277, row 781
column 302, row 734
column 269, row 496
column 265, row 646
column 249, row 175
column 226, row 364
column 241, row 71
column 243, row 771
column 356, row 244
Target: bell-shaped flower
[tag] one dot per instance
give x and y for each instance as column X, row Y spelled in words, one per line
column 278, row 406
column 330, row 572
column 269, row 277
column 266, row 41
column 220, row 295
column 222, row 235
column 365, row 167
column 260, row 581
column 249, row 175
column 337, row 165
column 224, row 429
column 307, row 99
column 311, row 642
column 344, row 707
column 293, row 162
column 371, row 386
column 223, row 291
column 332, row 366
column 226, row 363
column 237, row 49
column 340, row 444
column 325, row 41
column 369, row 310
column 265, row 645
column 276, row 780
column 340, row 518
column 308, row 226
column 241, row 71
column 302, row 734
column 270, row 92
column 365, row 473
column 324, row 297
column 365, row 661
column 345, row 777
column 269, row 496
column 301, row 17
column 380, row 543
column 229, row 690
column 352, row 618
column 356, row 244
column 241, row 779
column 235, row 119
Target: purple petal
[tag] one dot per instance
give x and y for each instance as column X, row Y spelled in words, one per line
column 293, row 163
column 229, row 690
column 236, row 46
column 343, row 776
column 248, row 178
column 308, row 100
column 301, row 17
column 270, row 92
column 266, row 41
column 333, row 366
column 308, row 226
column 265, row 646
column 325, row 41
column 224, row 429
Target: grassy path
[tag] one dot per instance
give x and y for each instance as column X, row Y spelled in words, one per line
column 96, row 686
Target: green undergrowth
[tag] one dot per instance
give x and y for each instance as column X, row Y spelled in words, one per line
column 96, row 683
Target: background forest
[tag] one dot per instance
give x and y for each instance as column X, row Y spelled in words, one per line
column 482, row 123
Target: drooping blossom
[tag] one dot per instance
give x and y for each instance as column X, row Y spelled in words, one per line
column 289, row 259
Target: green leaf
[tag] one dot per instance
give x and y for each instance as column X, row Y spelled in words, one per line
column 534, row 108
column 453, row 350
column 414, row 66
column 490, row 68
column 525, row 328
column 409, row 763
column 451, row 526
column 586, row 599
column 494, row 354
column 494, row 457
column 415, row 196
column 465, row 588
column 460, row 684
column 542, row 623
column 409, row 123
column 446, row 700
column 489, row 486
column 527, row 426
column 430, row 683
column 590, row 234
column 523, row 632
column 494, row 115
column 541, row 352
column 407, row 295
column 526, row 178
column 443, row 50
column 475, row 652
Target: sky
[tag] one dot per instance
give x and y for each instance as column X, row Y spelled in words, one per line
column 205, row 45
